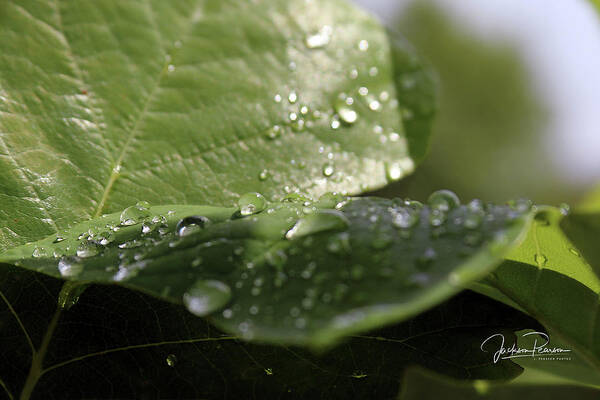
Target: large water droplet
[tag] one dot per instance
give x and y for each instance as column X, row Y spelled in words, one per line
column 135, row 214
column 443, row 200
column 191, row 224
column 251, row 203
column 320, row 221
column 205, row 297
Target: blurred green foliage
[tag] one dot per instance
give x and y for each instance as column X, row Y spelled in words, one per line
column 488, row 132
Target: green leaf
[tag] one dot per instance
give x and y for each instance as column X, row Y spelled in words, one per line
column 297, row 272
column 193, row 102
column 553, row 276
column 117, row 343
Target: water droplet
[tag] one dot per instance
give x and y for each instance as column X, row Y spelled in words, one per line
column 251, row 203
column 405, row 217
column 374, row 105
column 135, row 214
column 292, row 97
column 443, row 200
column 69, row 267
column 320, row 39
column 39, row 252
column 331, row 200
column 171, row 360
column 328, row 170
column 88, row 249
column 58, row 239
column 277, row 98
column 397, row 170
column 473, row 220
column 191, row 224
column 335, row 122
column 373, row 71
column 540, row 259
column 205, row 297
column 345, row 111
column 565, row 209
column 437, row 217
column 322, row 220
column 263, row 175
column 273, row 132
column 363, row 45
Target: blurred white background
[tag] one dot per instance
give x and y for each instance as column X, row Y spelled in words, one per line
column 559, row 41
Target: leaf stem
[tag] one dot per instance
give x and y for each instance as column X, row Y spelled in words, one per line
column 36, row 371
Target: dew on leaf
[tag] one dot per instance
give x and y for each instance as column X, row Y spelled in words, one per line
column 319, row 39
column 320, row 221
column 331, row 200
column 58, row 239
column 88, row 249
column 328, row 169
column 399, row 169
column 39, row 252
column 206, row 296
column 443, row 200
column 565, row 209
column 405, row 217
column 191, row 224
column 251, row 203
column 292, row 97
column 437, row 217
column 345, row 111
column 135, row 214
column 69, row 267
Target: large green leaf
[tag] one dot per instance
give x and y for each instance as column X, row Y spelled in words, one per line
column 117, row 343
column 192, row 102
column 553, row 275
column 298, row 272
